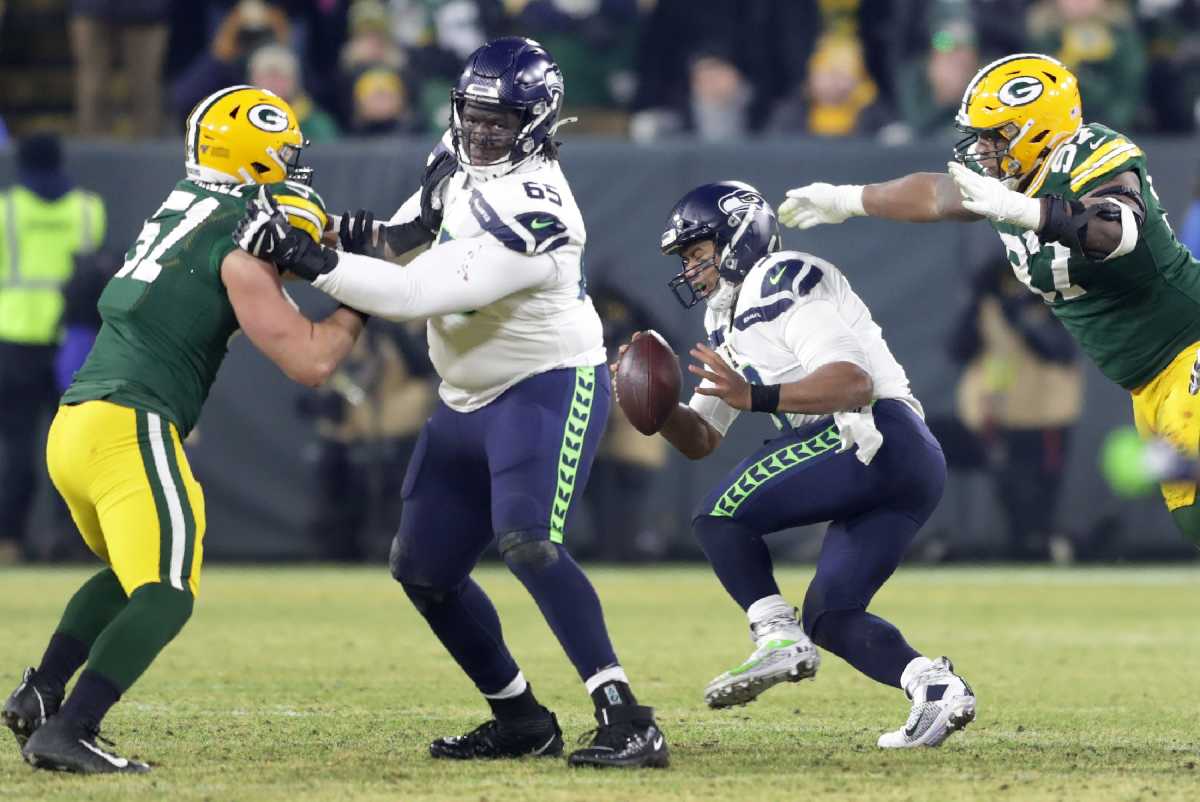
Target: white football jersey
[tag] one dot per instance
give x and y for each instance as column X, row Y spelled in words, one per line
column 795, row 313
column 481, row 353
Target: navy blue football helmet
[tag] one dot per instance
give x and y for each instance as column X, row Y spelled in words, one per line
column 512, row 74
column 736, row 217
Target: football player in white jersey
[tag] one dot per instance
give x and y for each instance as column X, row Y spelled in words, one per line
column 789, row 338
column 524, row 395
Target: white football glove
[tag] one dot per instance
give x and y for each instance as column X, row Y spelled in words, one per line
column 262, row 226
column 814, row 204
column 988, row 197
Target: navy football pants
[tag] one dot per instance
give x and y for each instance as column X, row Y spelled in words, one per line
column 875, row 512
column 514, row 471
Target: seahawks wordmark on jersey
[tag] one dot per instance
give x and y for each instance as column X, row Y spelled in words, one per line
column 480, row 354
column 795, row 313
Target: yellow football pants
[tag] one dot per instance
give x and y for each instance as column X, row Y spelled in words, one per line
column 1169, row 406
column 130, row 489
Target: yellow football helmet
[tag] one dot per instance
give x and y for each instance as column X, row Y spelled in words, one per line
column 1016, row 110
column 244, row 135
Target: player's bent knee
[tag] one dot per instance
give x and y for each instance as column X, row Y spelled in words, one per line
column 528, row 550
column 1188, row 521
column 167, row 608
column 425, row 598
column 404, row 563
column 818, row 603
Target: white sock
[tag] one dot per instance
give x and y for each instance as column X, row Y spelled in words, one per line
column 768, row 607
column 610, row 674
column 511, row 690
column 915, row 666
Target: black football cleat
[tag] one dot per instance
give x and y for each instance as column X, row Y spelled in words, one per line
column 64, row 745
column 29, row 706
column 627, row 737
column 539, row 737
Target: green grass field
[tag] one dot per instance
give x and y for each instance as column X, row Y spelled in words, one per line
column 304, row 684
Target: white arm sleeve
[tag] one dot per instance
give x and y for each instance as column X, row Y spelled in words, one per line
column 818, row 336
column 718, row 414
column 410, row 210
column 455, row 276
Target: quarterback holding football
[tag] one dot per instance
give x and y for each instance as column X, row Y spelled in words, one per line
column 788, row 337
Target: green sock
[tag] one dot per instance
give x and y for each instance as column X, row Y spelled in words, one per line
column 93, row 607
column 154, row 615
column 1188, row 521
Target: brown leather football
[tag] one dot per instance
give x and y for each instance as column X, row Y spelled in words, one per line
column 648, row 382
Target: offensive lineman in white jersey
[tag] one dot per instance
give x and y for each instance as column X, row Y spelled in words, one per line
column 788, row 337
column 523, row 401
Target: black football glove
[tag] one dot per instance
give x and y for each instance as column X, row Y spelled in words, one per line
column 264, row 232
column 437, row 172
column 358, row 234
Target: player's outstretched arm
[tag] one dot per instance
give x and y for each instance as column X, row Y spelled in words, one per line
column 914, row 198
column 456, row 276
column 306, row 351
column 415, row 225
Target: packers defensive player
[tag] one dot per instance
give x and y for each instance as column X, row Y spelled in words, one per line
column 1074, row 205
column 114, row 450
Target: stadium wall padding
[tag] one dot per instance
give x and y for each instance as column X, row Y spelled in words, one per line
column 248, row 452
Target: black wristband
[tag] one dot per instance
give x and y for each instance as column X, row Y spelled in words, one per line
column 363, row 316
column 403, row 237
column 764, row 397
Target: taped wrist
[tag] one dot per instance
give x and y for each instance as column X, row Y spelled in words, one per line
column 306, row 258
column 403, row 237
column 1066, row 222
column 764, row 397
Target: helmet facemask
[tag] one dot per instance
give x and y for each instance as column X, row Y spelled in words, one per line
column 688, row 290
column 991, row 149
column 288, row 157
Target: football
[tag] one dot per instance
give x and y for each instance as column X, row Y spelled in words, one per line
column 648, row 382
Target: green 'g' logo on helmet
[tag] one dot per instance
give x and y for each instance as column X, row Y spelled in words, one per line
column 268, row 118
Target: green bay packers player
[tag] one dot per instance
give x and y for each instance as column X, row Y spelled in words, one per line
column 1074, row 206
column 114, row 449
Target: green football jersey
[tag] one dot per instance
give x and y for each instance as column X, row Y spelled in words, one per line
column 167, row 320
column 1133, row 314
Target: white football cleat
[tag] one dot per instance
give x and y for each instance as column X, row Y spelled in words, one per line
column 943, row 703
column 783, row 653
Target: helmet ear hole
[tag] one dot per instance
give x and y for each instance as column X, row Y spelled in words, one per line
column 1040, row 136
column 260, row 168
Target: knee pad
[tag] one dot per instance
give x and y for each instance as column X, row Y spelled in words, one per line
column 398, row 560
column 528, row 550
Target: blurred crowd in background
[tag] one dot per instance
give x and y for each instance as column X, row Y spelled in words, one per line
column 718, row 69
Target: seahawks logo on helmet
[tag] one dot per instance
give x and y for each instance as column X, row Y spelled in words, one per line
column 735, row 204
column 267, row 118
column 1020, row 90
